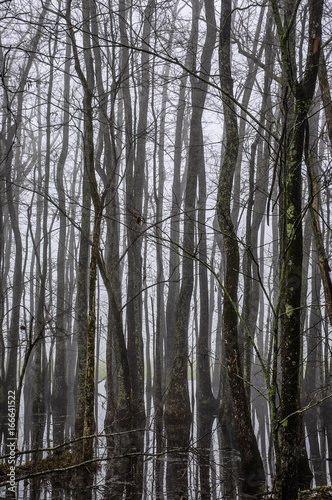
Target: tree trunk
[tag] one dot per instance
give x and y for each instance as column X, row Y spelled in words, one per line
column 297, row 98
column 251, row 462
column 206, row 403
column 59, row 396
column 87, row 83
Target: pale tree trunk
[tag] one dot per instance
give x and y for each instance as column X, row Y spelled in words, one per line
column 135, row 187
column 2, row 310
column 177, row 405
column 314, row 188
column 311, row 417
column 59, row 396
column 40, row 360
column 119, row 419
column 3, row 271
column 258, row 187
column 14, row 331
column 259, row 404
column 321, row 246
column 311, row 317
column 72, row 268
column 11, row 133
column 159, row 340
column 206, row 403
column 325, row 93
column 248, row 87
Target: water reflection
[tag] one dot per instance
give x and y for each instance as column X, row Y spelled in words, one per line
column 208, row 469
column 124, row 479
column 205, row 469
column 124, row 469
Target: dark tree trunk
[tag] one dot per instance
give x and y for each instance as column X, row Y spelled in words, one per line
column 177, row 411
column 177, row 196
column 251, row 463
column 297, row 99
column 87, row 83
column 206, row 403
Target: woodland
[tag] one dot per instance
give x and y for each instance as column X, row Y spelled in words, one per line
column 165, row 239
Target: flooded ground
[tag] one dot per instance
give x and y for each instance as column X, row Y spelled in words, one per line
column 212, row 473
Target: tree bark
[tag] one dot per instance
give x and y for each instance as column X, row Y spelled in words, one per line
column 206, row 403
column 251, row 462
column 87, row 83
column 297, row 99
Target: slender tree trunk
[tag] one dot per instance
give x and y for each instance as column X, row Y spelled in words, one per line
column 82, row 307
column 135, row 186
column 258, row 187
column 311, row 417
column 177, row 195
column 160, row 366
column 325, row 93
column 2, row 310
column 177, row 411
column 251, row 462
column 59, row 396
column 87, row 83
column 206, row 403
column 248, row 87
column 39, row 361
column 120, row 415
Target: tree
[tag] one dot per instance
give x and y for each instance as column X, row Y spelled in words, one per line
column 177, row 410
column 251, row 462
column 87, row 83
column 297, row 99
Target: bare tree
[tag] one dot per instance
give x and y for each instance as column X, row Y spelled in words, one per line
column 251, row 462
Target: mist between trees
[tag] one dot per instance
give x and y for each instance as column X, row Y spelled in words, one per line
column 165, row 237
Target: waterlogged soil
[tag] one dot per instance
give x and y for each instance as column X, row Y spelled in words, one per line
column 34, row 482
